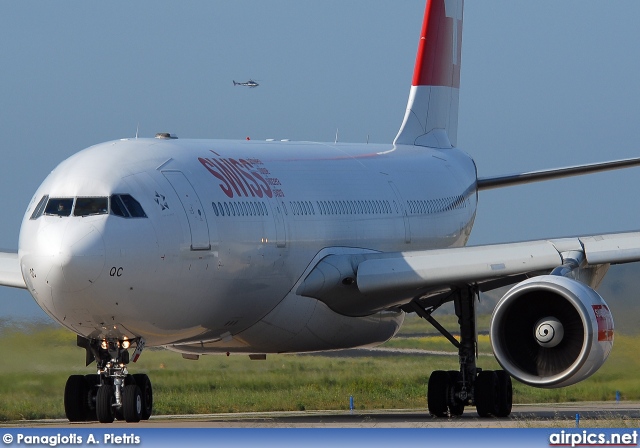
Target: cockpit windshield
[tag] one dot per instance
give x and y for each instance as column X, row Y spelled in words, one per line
column 91, row 206
column 123, row 205
column 59, row 207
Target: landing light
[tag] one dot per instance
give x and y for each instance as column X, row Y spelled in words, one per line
column 125, row 344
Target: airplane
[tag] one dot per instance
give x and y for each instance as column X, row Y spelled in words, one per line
column 258, row 247
column 251, row 84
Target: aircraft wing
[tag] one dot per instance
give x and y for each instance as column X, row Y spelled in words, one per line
column 359, row 284
column 556, row 173
column 10, row 272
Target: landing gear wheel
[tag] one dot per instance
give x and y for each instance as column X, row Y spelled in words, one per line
column 456, row 408
column 437, row 393
column 504, row 395
column 76, row 398
column 93, row 382
column 132, row 403
column 143, row 382
column 104, row 404
column 486, row 391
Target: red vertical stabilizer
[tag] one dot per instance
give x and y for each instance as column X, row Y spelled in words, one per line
column 432, row 111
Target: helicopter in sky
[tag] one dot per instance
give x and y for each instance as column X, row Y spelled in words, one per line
column 251, row 83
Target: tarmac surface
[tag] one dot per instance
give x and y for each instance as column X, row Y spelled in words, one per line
column 591, row 414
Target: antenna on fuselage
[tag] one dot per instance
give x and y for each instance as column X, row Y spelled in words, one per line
column 336, row 141
column 137, row 128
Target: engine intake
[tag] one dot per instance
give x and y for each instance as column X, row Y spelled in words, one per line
column 551, row 331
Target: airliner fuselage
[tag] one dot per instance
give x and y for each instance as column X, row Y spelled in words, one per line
column 223, row 233
column 205, row 246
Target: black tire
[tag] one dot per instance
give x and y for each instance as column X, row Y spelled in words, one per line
column 104, row 404
column 76, row 398
column 143, row 382
column 131, row 403
column 504, row 394
column 93, row 382
column 437, row 393
column 486, row 390
column 118, row 410
column 456, row 408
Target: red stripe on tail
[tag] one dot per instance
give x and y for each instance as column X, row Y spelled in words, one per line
column 439, row 50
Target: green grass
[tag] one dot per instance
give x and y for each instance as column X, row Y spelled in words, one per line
column 36, row 361
column 415, row 325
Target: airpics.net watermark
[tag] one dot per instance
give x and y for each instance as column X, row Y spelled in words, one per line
column 591, row 438
column 71, row 439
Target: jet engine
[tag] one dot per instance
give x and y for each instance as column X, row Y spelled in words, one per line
column 551, row 331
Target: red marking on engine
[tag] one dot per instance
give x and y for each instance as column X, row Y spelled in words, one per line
column 605, row 322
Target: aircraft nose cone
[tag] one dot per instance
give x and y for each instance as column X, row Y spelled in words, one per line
column 78, row 256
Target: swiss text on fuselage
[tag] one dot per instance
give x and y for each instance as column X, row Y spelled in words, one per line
column 240, row 177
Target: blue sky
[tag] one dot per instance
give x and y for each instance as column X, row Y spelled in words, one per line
column 544, row 84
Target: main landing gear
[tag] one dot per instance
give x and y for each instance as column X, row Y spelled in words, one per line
column 450, row 391
column 112, row 392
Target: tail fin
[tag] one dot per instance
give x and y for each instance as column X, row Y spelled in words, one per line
column 432, row 111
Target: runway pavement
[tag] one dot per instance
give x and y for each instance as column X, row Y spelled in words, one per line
column 591, row 414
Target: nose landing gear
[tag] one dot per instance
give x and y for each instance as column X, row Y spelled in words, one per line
column 112, row 392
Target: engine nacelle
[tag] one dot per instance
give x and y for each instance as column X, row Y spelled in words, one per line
column 551, row 331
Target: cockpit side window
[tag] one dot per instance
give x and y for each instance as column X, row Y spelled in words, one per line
column 59, row 207
column 134, row 207
column 39, row 210
column 91, row 206
column 117, row 207
column 126, row 206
